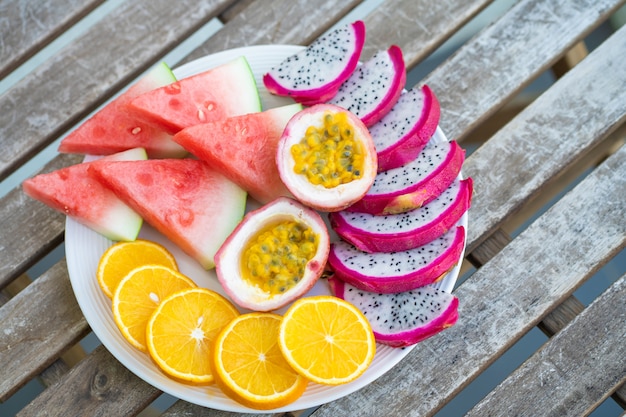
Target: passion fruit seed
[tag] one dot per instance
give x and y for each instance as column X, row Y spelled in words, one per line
column 276, row 258
column 329, row 155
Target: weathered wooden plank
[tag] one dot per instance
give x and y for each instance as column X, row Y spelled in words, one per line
column 26, row 26
column 84, row 74
column 547, row 137
column 418, row 27
column 60, row 366
column 185, row 409
column 38, row 324
column 29, row 228
column 563, row 379
column 506, row 56
column 554, row 321
column 505, row 298
column 263, row 22
column 97, row 386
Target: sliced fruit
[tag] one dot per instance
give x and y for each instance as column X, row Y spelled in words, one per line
column 374, row 87
column 243, row 148
column 121, row 258
column 249, row 366
column 138, row 295
column 75, row 193
column 326, row 157
column 181, row 333
column 113, row 130
column 404, row 131
column 314, row 75
column 226, row 90
column 405, row 231
column 404, row 318
column 327, row 339
column 275, row 255
column 397, row 271
column 193, row 205
column 414, row 184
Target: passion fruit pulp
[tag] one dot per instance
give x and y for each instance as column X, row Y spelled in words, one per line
column 326, row 157
column 275, row 255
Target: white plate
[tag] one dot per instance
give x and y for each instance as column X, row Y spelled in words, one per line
column 85, row 247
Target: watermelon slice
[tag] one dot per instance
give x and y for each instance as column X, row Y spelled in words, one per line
column 223, row 91
column 191, row 204
column 74, row 192
column 243, row 148
column 112, row 129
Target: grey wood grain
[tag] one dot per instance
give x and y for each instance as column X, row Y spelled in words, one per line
column 30, row 229
column 547, row 137
column 87, row 72
column 507, row 55
column 26, row 26
column 418, row 27
column 97, row 386
column 505, row 298
column 37, row 325
column 264, row 22
column 574, row 371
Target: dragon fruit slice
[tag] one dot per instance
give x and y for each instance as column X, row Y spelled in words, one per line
column 402, row 319
column 403, row 231
column 315, row 74
column 374, row 87
column 397, row 271
column 410, row 186
column 402, row 133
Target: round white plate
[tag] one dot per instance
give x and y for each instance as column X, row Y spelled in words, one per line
column 84, row 248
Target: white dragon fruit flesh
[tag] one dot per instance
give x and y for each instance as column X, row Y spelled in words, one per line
column 389, row 272
column 405, row 318
column 374, row 87
column 410, row 186
column 403, row 231
column 315, row 74
column 402, row 133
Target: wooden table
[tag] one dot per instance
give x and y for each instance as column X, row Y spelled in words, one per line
column 549, row 208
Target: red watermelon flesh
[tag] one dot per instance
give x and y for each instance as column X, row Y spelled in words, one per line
column 191, row 204
column 223, row 91
column 112, row 129
column 75, row 193
column 243, row 148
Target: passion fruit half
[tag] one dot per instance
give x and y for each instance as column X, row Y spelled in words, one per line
column 326, row 157
column 275, row 255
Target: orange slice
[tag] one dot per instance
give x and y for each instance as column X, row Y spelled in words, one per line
column 249, row 366
column 327, row 340
column 138, row 295
column 122, row 257
column 181, row 332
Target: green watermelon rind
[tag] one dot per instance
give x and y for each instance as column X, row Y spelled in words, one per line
column 255, row 97
column 157, row 76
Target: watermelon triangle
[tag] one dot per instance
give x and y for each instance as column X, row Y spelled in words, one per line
column 223, row 91
column 191, row 204
column 112, row 129
column 74, row 192
column 243, row 148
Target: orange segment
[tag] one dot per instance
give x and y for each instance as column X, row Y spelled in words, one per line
column 122, row 257
column 249, row 366
column 138, row 295
column 181, row 332
column 327, row 340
